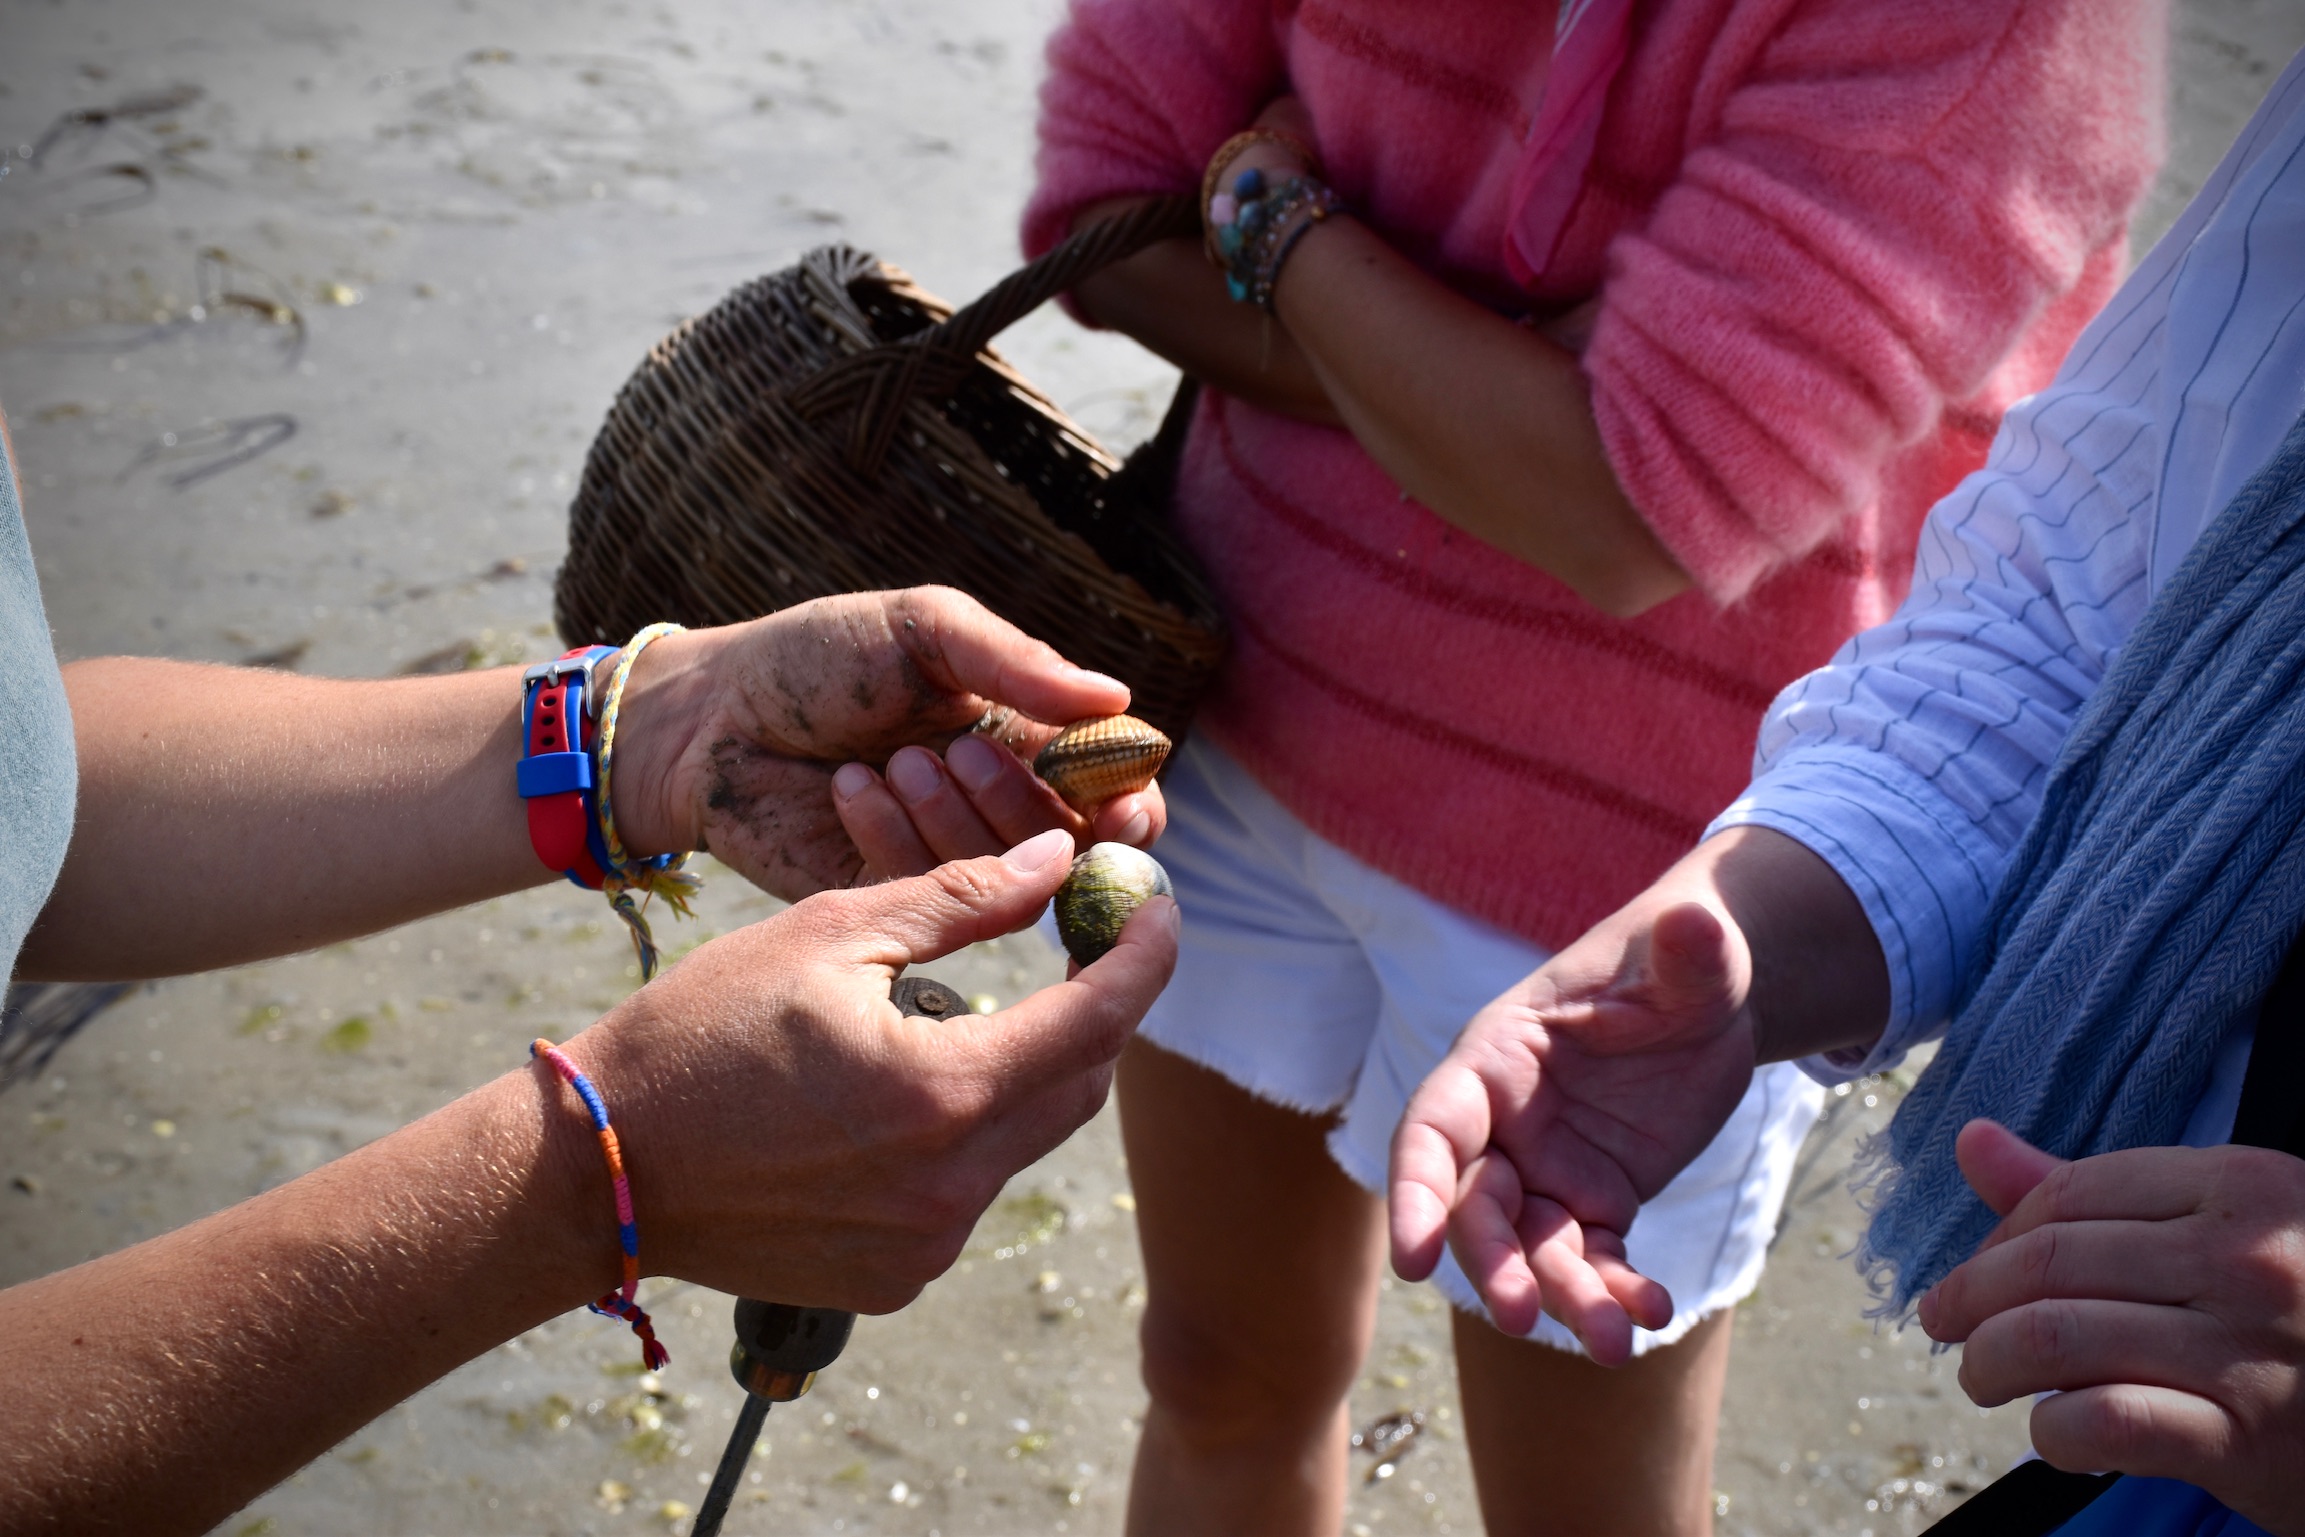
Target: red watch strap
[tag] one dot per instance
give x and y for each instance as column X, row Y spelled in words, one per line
column 557, row 823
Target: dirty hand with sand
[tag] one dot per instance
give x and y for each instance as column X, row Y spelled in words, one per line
column 787, row 1133
column 772, row 712
column 309, row 810
column 788, row 1136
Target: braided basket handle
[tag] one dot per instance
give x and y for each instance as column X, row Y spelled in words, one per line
column 938, row 358
column 1063, row 268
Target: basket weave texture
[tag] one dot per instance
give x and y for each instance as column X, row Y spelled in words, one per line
column 834, row 428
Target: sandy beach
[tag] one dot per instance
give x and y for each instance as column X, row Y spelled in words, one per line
column 306, row 321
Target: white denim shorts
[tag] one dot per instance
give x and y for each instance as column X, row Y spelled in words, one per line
column 1317, row 982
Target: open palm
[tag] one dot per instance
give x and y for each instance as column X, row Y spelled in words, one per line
column 1563, row 1106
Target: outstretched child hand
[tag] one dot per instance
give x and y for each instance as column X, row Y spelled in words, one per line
column 1564, row 1105
column 1581, row 1092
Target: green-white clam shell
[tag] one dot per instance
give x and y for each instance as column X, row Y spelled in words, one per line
column 1105, row 885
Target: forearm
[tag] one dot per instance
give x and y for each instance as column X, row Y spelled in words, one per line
column 160, row 1388
column 1169, row 298
column 1487, row 423
column 229, row 813
column 1812, row 971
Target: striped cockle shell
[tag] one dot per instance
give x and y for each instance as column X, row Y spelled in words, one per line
column 1091, row 761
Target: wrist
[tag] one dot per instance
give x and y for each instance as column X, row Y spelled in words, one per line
column 1813, row 975
column 665, row 701
column 1320, row 244
column 644, row 1106
column 1272, row 157
column 1269, row 150
column 1255, row 223
column 566, row 1224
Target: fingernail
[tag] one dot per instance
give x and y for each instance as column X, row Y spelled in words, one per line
column 1170, row 914
column 913, row 774
column 1098, row 679
column 851, row 780
column 1134, row 830
column 974, row 761
column 1033, row 853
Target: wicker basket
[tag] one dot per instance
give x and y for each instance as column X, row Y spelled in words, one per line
column 833, row 428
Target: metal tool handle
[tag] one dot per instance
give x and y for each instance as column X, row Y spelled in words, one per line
column 780, row 1347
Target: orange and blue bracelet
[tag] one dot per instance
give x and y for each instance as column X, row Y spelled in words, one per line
column 619, row 1303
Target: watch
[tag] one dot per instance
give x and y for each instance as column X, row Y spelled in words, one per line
column 560, row 703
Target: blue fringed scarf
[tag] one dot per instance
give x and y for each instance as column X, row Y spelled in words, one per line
column 2150, row 903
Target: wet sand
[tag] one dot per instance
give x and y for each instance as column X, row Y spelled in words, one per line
column 479, row 215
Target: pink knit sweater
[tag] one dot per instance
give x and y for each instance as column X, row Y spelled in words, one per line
column 1833, row 241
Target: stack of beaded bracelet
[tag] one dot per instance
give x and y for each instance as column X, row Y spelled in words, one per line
column 1256, row 223
column 622, row 1302
column 1212, row 178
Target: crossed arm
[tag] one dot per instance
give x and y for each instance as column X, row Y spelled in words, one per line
column 789, row 1135
column 1486, row 422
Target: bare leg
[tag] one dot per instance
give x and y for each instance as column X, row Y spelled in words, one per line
column 1261, row 1266
column 1564, row 1448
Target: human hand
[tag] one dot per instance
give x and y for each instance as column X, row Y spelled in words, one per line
column 734, row 740
column 792, row 1137
column 1288, row 146
column 1565, row 1104
column 1583, row 1091
column 979, row 799
column 2159, row 1293
column 1573, row 327
column 1287, row 115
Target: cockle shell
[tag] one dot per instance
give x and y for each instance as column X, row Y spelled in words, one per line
column 1091, row 761
column 1104, row 886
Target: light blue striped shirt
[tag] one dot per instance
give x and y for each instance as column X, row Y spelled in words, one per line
column 38, row 780
column 1914, row 759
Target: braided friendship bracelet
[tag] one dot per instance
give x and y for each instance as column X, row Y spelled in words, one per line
column 663, row 875
column 619, row 1303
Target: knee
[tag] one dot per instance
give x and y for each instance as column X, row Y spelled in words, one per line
column 1231, row 1380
